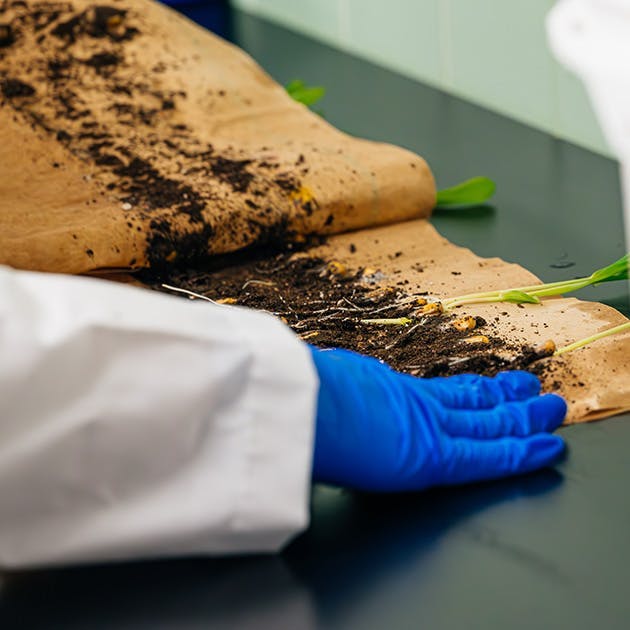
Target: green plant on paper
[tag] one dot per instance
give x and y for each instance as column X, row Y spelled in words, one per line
column 533, row 293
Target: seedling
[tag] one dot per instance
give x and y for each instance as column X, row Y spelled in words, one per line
column 533, row 293
column 472, row 192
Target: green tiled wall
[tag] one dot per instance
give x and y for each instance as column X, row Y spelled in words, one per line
column 491, row 52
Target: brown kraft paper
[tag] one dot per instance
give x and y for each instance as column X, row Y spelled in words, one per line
column 131, row 137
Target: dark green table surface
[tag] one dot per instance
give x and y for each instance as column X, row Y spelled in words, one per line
column 551, row 550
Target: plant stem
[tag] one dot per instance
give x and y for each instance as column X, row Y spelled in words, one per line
column 600, row 335
column 547, row 290
column 482, row 298
column 400, row 321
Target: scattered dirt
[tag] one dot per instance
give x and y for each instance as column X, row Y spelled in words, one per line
column 327, row 306
column 102, row 60
column 57, row 62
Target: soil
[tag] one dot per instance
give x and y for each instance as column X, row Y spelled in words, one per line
column 327, row 306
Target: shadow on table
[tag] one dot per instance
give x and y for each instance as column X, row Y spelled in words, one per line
column 355, row 543
column 465, row 213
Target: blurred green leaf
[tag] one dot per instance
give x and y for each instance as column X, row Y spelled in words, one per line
column 472, row 192
column 617, row 271
column 305, row 94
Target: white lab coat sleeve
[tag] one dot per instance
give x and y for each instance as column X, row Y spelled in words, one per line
column 135, row 424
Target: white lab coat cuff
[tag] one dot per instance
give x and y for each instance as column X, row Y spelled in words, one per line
column 281, row 394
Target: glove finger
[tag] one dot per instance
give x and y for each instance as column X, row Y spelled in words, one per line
column 471, row 460
column 471, row 391
column 535, row 415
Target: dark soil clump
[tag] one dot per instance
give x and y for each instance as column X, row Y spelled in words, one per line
column 233, row 172
column 145, row 184
column 14, row 88
column 102, row 60
column 330, row 307
column 7, row 37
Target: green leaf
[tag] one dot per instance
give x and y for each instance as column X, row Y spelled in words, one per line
column 302, row 93
column 518, row 297
column 616, row 271
column 472, row 192
column 292, row 86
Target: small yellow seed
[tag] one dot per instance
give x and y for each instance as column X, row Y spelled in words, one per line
column 421, row 301
column 369, row 271
column 337, row 268
column 476, row 339
column 113, row 25
column 433, row 308
column 467, row 322
column 227, row 300
column 113, row 21
column 546, row 349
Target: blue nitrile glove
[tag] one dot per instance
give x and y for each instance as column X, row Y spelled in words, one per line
column 380, row 430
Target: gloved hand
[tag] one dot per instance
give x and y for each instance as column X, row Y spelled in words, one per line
column 380, row 430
